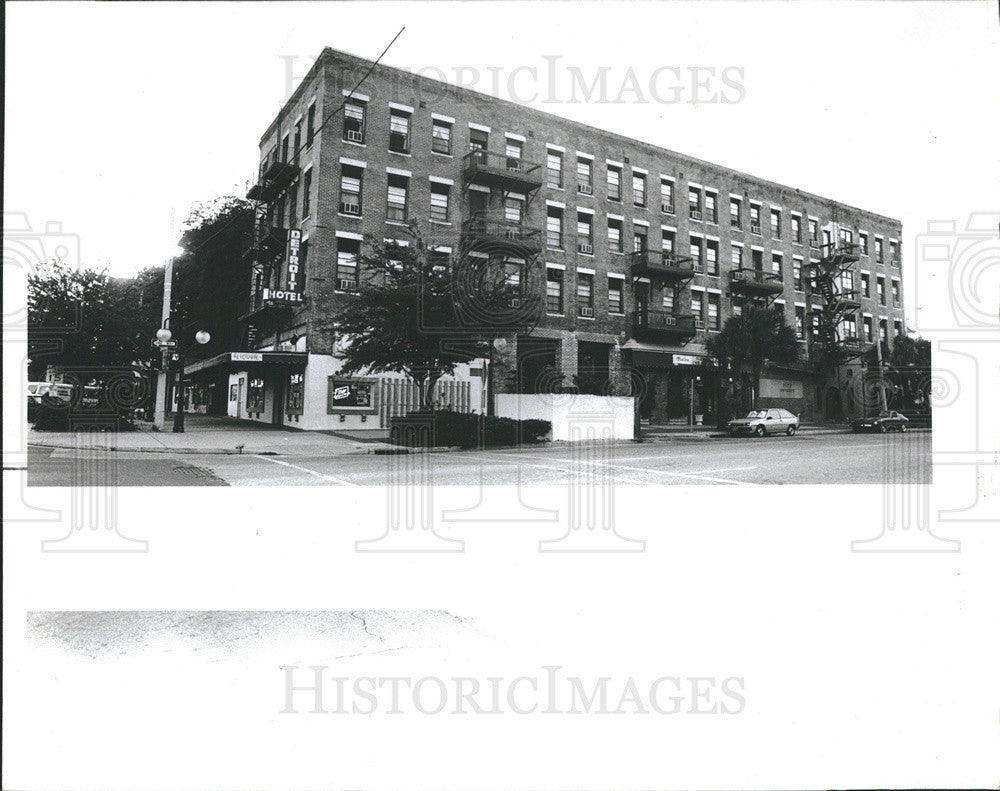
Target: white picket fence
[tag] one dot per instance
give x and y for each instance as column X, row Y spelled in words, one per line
column 399, row 396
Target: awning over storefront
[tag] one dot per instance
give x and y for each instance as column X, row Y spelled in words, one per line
column 229, row 362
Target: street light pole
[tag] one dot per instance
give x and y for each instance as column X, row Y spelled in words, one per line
column 160, row 409
column 201, row 337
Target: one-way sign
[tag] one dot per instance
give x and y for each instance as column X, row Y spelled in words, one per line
column 164, row 344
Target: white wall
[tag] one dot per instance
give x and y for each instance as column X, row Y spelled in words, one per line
column 573, row 416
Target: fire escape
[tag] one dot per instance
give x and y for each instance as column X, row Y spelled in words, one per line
column 826, row 274
column 277, row 173
column 501, row 232
column 668, row 270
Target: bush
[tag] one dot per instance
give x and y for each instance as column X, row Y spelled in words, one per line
column 52, row 415
column 448, row 429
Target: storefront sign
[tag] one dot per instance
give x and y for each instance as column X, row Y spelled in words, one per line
column 350, row 395
column 686, row 359
column 780, row 388
column 292, row 257
column 268, row 294
column 246, row 357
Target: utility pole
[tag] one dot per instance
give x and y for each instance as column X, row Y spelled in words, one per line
column 159, row 415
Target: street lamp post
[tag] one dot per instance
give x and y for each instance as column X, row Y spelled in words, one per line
column 497, row 345
column 691, row 404
column 202, row 338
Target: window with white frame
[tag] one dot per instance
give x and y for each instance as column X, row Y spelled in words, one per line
column 666, row 196
column 554, row 228
column 396, row 209
column 554, row 166
column 638, row 189
column 615, row 244
column 735, row 220
column 354, row 121
column 441, row 137
column 399, row 131
column 348, row 251
column 614, row 183
column 440, row 194
column 554, row 290
column 616, row 290
column 350, row 189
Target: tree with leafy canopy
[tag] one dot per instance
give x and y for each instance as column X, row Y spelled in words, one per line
column 752, row 339
column 415, row 316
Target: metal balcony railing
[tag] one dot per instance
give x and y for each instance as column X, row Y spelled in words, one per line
column 752, row 280
column 487, row 228
column 662, row 324
column 492, row 168
column 661, row 262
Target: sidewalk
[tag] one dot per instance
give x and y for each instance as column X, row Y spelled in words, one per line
column 206, row 434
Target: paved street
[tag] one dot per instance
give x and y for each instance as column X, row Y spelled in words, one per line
column 803, row 459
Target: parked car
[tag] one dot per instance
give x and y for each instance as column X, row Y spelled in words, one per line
column 36, row 390
column 883, row 422
column 765, row 421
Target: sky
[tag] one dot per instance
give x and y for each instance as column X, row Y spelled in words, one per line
column 120, row 117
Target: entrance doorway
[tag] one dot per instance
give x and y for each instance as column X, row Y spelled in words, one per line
column 278, row 413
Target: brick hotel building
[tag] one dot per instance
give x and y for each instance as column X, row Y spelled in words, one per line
column 642, row 253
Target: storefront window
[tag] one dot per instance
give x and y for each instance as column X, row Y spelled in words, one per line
column 255, row 394
column 296, row 394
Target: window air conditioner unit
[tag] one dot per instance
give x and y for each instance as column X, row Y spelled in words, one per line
column 347, row 285
column 514, row 302
column 350, row 208
column 668, row 208
column 355, row 136
column 585, row 189
column 695, row 214
column 583, row 247
column 755, row 227
column 699, row 324
column 586, row 312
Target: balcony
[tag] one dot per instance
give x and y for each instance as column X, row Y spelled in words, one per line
column 751, row 282
column 854, row 346
column 847, row 301
column 659, row 325
column 840, row 255
column 268, row 244
column 487, row 229
column 660, row 263
column 275, row 175
column 491, row 169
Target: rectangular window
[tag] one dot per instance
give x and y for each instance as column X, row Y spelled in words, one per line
column 441, row 137
column 846, row 236
column 894, row 253
column 514, row 151
column 797, row 273
column 354, row 121
column 713, row 311
column 614, row 183
column 776, row 263
column 585, row 294
column 615, row 236
column 668, row 242
column 307, row 181
column 399, row 131
column 585, row 233
column 694, row 203
column 554, row 228
column 846, row 281
column 513, row 210
column 866, row 285
column 638, row 189
column 695, row 252
column 584, row 176
column 813, row 231
column 883, row 330
column 439, row 201
column 734, row 213
column 754, row 219
column 697, row 308
column 554, row 163
column 757, row 259
column 796, row 228
column 869, row 334
column 848, row 328
column 639, row 239
column 897, row 327
column 711, row 207
column 554, row 291
column 666, row 196
column 478, row 140
column 878, row 250
column 736, row 256
column 616, row 287
column 880, row 289
column 398, row 188
column 863, row 242
column 310, row 123
column 439, row 260
column 800, row 322
column 712, row 257
column 298, row 139
column 895, row 292
column 350, row 190
column 669, row 298
column 775, row 224
column 347, row 264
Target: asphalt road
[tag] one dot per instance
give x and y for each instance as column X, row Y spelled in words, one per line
column 803, row 459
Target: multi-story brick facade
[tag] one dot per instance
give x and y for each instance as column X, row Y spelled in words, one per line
column 645, row 252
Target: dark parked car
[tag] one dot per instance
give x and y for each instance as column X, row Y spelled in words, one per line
column 886, row 421
column 765, row 421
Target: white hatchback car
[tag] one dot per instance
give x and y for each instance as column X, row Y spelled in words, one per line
column 765, row 421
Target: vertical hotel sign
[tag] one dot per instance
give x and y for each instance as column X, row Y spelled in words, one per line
column 293, row 285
